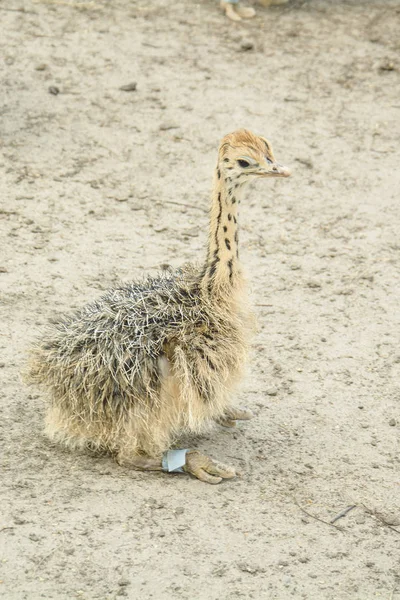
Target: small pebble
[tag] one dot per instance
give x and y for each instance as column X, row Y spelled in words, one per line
column 19, row 520
column 271, row 391
column 387, row 66
column 392, row 422
column 129, row 87
column 53, row 89
column 167, row 126
column 41, row 67
column 34, row 537
column 249, row 569
column 3, row 270
column 246, row 45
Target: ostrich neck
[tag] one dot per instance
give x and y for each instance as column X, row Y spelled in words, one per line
column 222, row 271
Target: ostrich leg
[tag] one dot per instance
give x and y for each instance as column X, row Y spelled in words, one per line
column 200, row 466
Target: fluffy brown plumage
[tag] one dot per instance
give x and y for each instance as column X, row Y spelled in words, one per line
column 151, row 360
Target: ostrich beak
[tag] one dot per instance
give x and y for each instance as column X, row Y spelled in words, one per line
column 279, row 171
column 273, row 170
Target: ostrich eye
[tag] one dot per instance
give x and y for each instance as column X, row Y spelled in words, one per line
column 243, row 163
column 269, row 161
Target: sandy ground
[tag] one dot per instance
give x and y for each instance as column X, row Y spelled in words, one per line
column 99, row 184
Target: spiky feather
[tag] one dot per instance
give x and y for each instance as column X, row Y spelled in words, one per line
column 105, row 366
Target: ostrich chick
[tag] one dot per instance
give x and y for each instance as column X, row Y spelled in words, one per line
column 152, row 360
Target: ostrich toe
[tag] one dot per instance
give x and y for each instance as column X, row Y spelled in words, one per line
column 206, row 469
column 235, row 414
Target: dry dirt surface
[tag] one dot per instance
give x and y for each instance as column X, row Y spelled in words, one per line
column 100, row 184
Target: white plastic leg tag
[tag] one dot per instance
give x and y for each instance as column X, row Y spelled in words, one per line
column 174, row 460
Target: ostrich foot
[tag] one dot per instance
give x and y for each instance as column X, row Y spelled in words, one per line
column 235, row 414
column 245, row 12
column 196, row 464
column 272, row 2
column 235, row 12
column 230, row 12
column 206, row 469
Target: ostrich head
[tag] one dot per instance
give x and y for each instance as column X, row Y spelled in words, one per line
column 244, row 156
